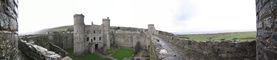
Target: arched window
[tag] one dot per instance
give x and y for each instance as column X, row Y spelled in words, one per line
column 94, row 38
column 87, row 38
column 99, row 38
column 94, row 31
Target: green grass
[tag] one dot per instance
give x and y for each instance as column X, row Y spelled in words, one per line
column 121, row 53
column 239, row 36
column 86, row 56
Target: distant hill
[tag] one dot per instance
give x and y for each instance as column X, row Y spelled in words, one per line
column 240, row 36
column 61, row 28
column 70, row 27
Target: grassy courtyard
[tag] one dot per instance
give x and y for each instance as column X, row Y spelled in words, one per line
column 239, row 36
column 118, row 53
column 121, row 53
column 86, row 56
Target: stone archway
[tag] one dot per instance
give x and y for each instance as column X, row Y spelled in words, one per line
column 96, row 46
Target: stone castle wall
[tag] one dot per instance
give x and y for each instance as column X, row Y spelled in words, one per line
column 8, row 30
column 129, row 38
column 217, row 50
column 266, row 29
column 124, row 37
column 61, row 39
column 211, row 50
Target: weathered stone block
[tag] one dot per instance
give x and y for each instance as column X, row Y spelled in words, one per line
column 8, row 45
column 266, row 34
column 13, row 25
column 4, row 21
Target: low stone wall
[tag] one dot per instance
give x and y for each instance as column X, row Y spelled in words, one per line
column 39, row 39
column 58, row 50
column 61, row 39
column 211, row 50
column 35, row 52
column 44, row 41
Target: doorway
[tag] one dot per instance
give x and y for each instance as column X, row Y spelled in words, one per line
column 96, row 46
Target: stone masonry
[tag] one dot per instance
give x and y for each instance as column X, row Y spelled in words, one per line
column 92, row 38
column 106, row 32
column 8, row 30
column 266, row 11
column 79, row 34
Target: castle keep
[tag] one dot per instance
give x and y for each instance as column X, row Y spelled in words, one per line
column 91, row 38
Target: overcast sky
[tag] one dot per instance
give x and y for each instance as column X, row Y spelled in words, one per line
column 176, row 16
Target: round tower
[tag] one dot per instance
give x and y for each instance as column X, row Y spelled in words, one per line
column 106, row 32
column 79, row 34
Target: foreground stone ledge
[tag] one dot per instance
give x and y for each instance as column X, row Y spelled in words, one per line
column 8, row 45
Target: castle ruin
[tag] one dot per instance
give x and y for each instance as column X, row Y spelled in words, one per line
column 91, row 38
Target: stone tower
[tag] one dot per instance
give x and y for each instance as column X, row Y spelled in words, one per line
column 8, row 30
column 266, row 29
column 79, row 35
column 151, row 29
column 150, row 33
column 106, row 32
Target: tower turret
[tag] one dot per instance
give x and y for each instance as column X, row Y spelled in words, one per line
column 79, row 34
column 106, row 32
column 150, row 33
column 151, row 29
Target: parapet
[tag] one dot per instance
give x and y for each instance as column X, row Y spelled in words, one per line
column 151, row 26
column 106, row 19
column 79, row 19
column 79, row 15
